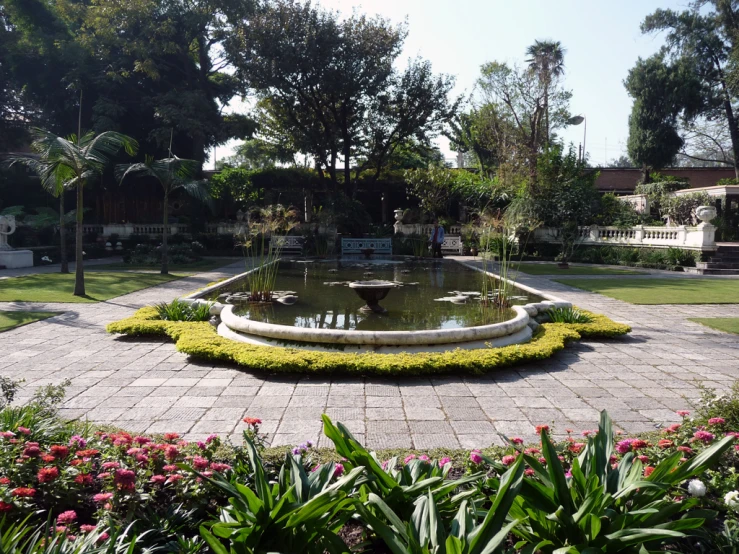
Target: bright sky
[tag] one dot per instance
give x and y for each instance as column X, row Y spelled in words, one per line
column 602, row 41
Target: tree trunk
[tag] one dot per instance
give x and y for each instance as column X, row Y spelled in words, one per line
column 79, row 272
column 165, row 232
column 734, row 132
column 64, row 259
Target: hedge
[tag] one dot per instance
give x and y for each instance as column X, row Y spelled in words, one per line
column 200, row 339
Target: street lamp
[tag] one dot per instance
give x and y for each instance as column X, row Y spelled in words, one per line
column 576, row 121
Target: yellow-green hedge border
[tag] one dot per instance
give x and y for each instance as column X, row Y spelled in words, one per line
column 200, row 339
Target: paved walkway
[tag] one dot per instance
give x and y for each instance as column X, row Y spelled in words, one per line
column 144, row 385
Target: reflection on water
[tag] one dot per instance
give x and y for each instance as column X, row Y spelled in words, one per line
column 325, row 302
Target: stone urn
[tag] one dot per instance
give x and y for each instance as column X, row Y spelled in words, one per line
column 706, row 213
column 372, row 292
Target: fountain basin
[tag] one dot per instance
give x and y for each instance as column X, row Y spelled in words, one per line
column 372, row 292
column 380, row 338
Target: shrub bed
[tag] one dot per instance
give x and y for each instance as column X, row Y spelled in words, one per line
column 66, row 487
column 201, row 340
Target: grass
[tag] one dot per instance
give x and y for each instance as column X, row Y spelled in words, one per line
column 57, row 287
column 663, row 291
column 202, row 265
column 725, row 324
column 552, row 269
column 11, row 320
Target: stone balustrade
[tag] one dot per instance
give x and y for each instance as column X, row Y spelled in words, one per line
column 700, row 237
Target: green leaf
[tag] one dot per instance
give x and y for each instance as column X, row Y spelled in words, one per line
column 391, row 516
column 386, row 533
column 213, row 542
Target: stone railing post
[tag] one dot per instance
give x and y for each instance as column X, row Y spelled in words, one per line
column 594, row 233
column 639, row 234
column 682, row 234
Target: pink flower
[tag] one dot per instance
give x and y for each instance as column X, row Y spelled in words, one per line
column 384, row 464
column 171, row 453
column 540, row 428
column 102, row 497
column 158, row 479
column 716, row 421
column 424, row 458
column 77, row 442
column 211, row 438
column 409, row 458
column 338, row 470
column 529, row 472
column 648, row 471
column 24, row 430
column 133, row 451
column 507, row 460
column 475, row 457
column 174, row 478
column 111, row 465
column 66, row 517
column 219, row 467
column 704, row 436
column 444, row 461
column 86, row 528
column 624, row 446
column 517, row 440
column 125, row 479
column 683, row 413
column 7, row 434
column 643, row 459
column 170, row 467
column 199, row 462
column 171, row 436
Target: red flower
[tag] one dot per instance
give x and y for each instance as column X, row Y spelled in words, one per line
column 47, row 458
column 125, row 479
column 5, row 507
column 648, row 471
column 76, row 462
column 47, row 474
column 664, row 443
column 4, row 481
column 685, row 449
column 540, row 428
column 636, row 444
column 23, row 492
column 171, row 436
column 60, row 451
column 643, row 459
column 83, row 479
column 102, row 497
column 87, row 453
column 252, row 421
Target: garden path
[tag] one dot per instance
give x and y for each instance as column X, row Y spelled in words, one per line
column 144, row 385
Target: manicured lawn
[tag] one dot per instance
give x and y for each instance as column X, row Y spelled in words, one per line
column 202, row 265
column 662, row 291
column 552, row 269
column 55, row 287
column 10, row 320
column 725, row 324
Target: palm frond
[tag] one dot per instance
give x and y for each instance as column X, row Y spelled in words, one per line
column 200, row 190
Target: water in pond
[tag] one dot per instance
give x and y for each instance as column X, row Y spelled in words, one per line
column 326, row 302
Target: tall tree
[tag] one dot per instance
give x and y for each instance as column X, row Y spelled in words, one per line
column 328, row 84
column 705, row 39
column 546, row 58
column 662, row 94
column 514, row 105
column 172, row 174
column 70, row 164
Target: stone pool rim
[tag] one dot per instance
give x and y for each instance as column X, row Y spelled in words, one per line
column 522, row 319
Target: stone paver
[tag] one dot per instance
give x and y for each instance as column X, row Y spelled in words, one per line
column 145, row 385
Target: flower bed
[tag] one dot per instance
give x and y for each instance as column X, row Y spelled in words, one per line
column 201, row 340
column 595, row 489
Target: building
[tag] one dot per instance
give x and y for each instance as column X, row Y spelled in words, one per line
column 623, row 180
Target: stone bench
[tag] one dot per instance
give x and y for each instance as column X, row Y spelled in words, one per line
column 355, row 246
column 287, row 244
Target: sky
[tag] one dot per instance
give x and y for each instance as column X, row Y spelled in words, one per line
column 602, row 42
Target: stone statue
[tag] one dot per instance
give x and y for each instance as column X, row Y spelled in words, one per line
column 7, row 227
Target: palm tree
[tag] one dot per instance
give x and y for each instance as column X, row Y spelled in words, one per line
column 546, row 58
column 69, row 163
column 173, row 174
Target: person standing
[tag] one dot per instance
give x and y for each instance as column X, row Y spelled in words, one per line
column 437, row 239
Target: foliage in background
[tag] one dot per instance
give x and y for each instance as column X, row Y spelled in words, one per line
column 177, row 310
column 681, row 209
column 614, row 212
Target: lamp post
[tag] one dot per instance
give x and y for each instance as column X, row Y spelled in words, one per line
column 576, row 121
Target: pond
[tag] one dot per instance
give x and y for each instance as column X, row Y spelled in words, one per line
column 326, row 302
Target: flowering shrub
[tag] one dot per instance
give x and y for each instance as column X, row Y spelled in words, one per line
column 593, row 490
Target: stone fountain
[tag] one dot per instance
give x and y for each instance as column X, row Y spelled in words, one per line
column 11, row 258
column 372, row 292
